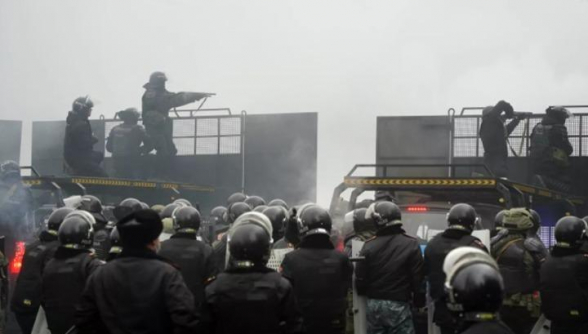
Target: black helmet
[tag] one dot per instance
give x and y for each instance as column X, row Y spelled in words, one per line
column 9, row 169
column 384, row 213
column 475, row 288
column 169, row 210
column 56, row 218
column 129, row 115
column 314, row 220
column 93, row 205
column 277, row 215
column 498, row 224
column 254, row 201
column 361, row 223
column 217, row 215
column 536, row 218
column 186, row 219
column 279, row 202
column 140, row 228
column 183, row 202
column 157, row 78
column 260, row 208
column 76, row 232
column 250, row 244
column 570, row 231
column 462, row 217
column 82, row 105
column 115, row 243
column 559, row 113
column 126, row 207
column 235, row 210
column 236, row 197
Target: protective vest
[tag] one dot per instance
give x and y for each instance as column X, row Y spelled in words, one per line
column 510, row 256
column 564, row 299
column 125, row 142
column 26, row 297
column 63, row 283
column 540, row 139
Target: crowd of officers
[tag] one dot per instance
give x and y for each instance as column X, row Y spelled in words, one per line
column 155, row 270
column 128, row 142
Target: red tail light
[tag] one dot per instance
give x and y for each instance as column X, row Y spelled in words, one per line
column 16, row 263
column 417, row 209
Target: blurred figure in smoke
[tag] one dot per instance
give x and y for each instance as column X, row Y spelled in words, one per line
column 128, row 142
column 550, row 150
column 16, row 200
column 78, row 146
column 157, row 102
column 494, row 135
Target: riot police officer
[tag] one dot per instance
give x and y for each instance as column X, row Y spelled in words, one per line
column 115, row 245
column 193, row 256
column 249, row 297
column 64, row 276
column 391, row 274
column 26, row 297
column 157, row 102
column 363, row 228
column 254, row 201
column 550, row 150
column 93, row 205
column 519, row 259
column 475, row 292
column 128, row 142
column 494, row 135
column 462, row 219
column 564, row 279
column 78, row 145
column 139, row 291
column 277, row 216
column 321, row 276
column 217, row 223
column 234, row 211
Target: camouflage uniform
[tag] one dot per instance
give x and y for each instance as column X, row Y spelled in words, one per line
column 389, row 317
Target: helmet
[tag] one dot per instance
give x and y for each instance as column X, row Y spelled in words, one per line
column 314, row 220
column 145, row 206
column 361, row 223
column 236, row 197
column 384, row 196
column 157, row 78
column 253, row 218
column 76, row 232
column 186, row 219
column 459, row 254
column 85, row 215
column 462, row 217
column 559, row 113
column 169, row 210
column 235, row 210
column 127, row 206
column 158, row 208
column 254, row 201
column 279, row 202
column 182, row 201
column 115, row 242
column 260, row 208
column 82, row 105
column 140, row 228
column 9, row 169
column 347, row 226
column 217, row 215
column 518, row 219
column 57, row 217
column 569, row 232
column 384, row 213
column 92, row 205
column 536, row 218
column 249, row 244
column 129, row 115
column 498, row 220
column 277, row 216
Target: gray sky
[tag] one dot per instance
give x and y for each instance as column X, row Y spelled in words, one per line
column 350, row 61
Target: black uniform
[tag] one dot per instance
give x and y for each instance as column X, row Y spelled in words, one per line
column 26, row 297
column 64, row 279
column 194, row 259
column 219, row 255
column 494, row 135
column 138, row 292
column 486, row 327
column 519, row 265
column 550, row 150
column 321, row 277
column 252, row 300
column 127, row 143
column 78, row 147
column 435, row 253
column 564, row 290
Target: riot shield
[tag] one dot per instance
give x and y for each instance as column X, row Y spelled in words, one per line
column 359, row 302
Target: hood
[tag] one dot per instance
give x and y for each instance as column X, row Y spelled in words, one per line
column 74, row 118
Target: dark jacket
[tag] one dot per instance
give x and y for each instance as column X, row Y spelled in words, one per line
column 519, row 265
column 64, row 278
column 194, row 259
column 494, row 133
column 26, row 297
column 79, row 140
column 138, row 292
column 128, row 140
column 392, row 268
column 252, row 300
column 321, row 277
column 556, row 136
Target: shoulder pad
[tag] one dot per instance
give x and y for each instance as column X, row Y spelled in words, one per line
column 533, row 245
